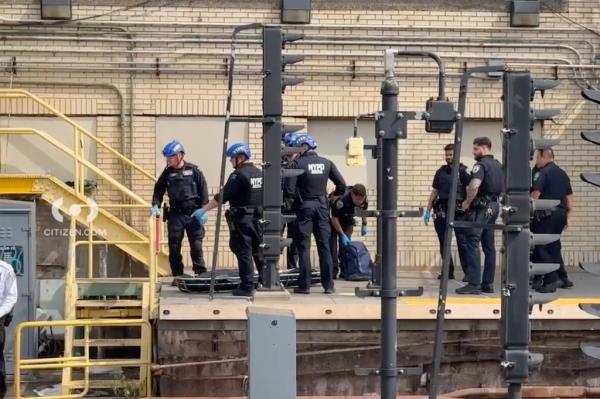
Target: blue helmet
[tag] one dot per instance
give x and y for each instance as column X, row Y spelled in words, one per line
column 305, row 139
column 290, row 138
column 239, row 148
column 173, row 148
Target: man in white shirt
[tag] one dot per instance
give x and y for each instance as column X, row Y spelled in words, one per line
column 8, row 299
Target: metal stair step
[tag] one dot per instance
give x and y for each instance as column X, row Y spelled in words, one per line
column 109, row 342
column 108, row 303
column 96, row 288
column 124, row 313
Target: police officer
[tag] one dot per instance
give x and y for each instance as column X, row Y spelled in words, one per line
column 243, row 192
column 291, row 251
column 342, row 221
column 438, row 202
column 8, row 299
column 312, row 214
column 552, row 183
column 186, row 187
column 481, row 205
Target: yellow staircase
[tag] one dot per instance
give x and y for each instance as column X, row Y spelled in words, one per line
column 93, row 305
column 55, row 192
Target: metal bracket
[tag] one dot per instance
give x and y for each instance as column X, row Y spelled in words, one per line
column 378, row 292
column 401, row 214
column 480, row 225
column 400, row 371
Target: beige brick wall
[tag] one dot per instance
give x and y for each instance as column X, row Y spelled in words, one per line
column 174, row 57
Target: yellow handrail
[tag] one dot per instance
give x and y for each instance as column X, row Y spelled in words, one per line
column 84, row 362
column 20, row 93
column 78, row 158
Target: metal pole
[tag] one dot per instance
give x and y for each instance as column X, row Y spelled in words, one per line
column 224, row 151
column 443, row 292
column 388, row 216
column 379, row 170
column 514, row 391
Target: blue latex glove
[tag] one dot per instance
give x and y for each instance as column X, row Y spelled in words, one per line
column 364, row 230
column 345, row 240
column 200, row 215
column 427, row 217
column 155, row 210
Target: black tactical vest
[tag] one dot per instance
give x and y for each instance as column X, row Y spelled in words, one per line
column 252, row 178
column 182, row 186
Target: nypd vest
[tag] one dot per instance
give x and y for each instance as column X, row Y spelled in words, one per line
column 252, row 178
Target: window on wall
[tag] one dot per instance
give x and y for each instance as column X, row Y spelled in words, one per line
column 32, row 154
column 202, row 139
column 331, row 136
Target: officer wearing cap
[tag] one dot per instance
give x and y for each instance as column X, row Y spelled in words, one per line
column 342, row 221
column 289, row 140
column 438, row 202
column 309, row 191
column 243, row 192
column 186, row 187
column 552, row 183
column 482, row 207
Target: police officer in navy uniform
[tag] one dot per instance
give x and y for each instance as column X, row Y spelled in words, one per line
column 482, row 207
column 288, row 202
column 312, row 213
column 438, row 202
column 243, row 192
column 552, row 183
column 342, row 221
column 186, row 187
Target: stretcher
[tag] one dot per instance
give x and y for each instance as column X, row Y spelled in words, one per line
column 228, row 279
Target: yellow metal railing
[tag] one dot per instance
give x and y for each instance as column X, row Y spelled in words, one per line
column 149, row 301
column 153, row 241
column 83, row 362
column 80, row 164
column 79, row 133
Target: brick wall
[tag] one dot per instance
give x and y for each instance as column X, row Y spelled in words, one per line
column 170, row 60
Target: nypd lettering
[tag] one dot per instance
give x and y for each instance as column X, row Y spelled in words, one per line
column 256, row 182
column 316, row 168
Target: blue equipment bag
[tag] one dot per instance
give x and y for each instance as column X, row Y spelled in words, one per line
column 356, row 262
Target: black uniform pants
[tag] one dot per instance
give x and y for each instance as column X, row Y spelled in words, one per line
column 475, row 236
column 244, row 242
column 2, row 364
column 177, row 224
column 335, row 243
column 550, row 253
column 292, row 250
column 313, row 218
column 440, row 228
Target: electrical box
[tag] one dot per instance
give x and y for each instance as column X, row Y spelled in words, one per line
column 355, row 156
column 441, row 116
column 17, row 248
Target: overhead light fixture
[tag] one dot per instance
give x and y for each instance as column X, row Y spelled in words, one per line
column 55, row 9
column 295, row 11
column 525, row 13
